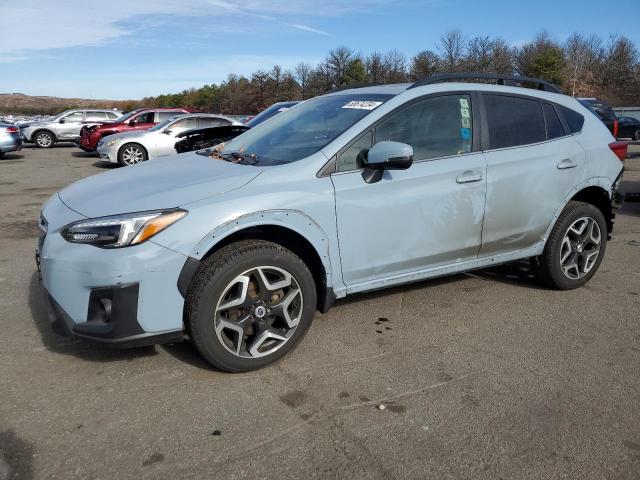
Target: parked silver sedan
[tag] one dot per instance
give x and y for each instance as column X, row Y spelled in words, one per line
column 129, row 148
column 10, row 138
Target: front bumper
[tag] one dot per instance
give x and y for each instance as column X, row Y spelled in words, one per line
column 106, row 154
column 125, row 297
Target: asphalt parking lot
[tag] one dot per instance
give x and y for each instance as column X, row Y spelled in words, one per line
column 486, row 375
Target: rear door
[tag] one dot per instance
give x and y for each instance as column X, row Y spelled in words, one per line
column 425, row 216
column 532, row 165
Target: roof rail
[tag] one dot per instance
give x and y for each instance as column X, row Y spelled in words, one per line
column 501, row 80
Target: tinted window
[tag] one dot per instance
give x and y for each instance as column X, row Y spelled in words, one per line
column 353, row 157
column 435, row 127
column 574, row 119
column 270, row 112
column 554, row 126
column 514, row 121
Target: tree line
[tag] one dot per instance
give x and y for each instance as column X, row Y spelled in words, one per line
column 581, row 65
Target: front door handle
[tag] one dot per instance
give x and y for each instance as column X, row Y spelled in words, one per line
column 566, row 163
column 469, row 176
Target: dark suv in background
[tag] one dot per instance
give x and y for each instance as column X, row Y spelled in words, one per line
column 140, row 119
column 603, row 111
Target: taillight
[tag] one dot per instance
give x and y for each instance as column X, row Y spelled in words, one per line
column 12, row 129
column 615, row 128
column 620, row 149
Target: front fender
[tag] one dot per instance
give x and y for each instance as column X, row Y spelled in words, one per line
column 293, row 220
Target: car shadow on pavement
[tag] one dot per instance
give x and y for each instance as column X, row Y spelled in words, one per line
column 83, row 154
column 11, row 156
column 105, row 165
column 85, row 350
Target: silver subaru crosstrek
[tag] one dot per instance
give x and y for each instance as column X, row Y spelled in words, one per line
column 356, row 190
column 65, row 126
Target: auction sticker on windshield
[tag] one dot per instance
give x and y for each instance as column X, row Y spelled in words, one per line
column 362, row 104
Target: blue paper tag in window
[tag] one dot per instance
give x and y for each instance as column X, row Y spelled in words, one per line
column 465, row 133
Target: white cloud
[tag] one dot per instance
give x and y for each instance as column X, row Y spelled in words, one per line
column 37, row 25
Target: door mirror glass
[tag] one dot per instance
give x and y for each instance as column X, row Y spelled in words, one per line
column 167, row 131
column 62, row 120
column 386, row 155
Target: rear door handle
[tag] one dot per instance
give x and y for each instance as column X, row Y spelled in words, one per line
column 566, row 163
column 469, row 176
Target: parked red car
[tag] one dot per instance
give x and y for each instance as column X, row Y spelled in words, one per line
column 140, row 119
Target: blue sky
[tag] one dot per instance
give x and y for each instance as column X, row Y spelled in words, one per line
column 120, row 49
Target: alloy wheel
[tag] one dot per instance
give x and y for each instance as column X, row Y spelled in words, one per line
column 258, row 312
column 132, row 155
column 44, row 140
column 580, row 248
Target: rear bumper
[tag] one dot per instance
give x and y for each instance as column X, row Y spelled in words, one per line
column 10, row 144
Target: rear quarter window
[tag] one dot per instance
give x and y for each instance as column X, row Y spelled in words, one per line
column 574, row 120
column 514, row 121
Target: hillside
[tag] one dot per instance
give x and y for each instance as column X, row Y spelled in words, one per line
column 18, row 103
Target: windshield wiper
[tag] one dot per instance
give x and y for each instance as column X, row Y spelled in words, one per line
column 237, row 157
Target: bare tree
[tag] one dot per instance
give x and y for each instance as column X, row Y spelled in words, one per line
column 337, row 61
column 303, row 74
column 375, row 67
column 424, row 64
column 396, row 66
column 451, row 48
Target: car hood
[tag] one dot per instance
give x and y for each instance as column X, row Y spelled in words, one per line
column 165, row 182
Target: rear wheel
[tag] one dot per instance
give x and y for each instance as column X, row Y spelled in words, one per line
column 636, row 135
column 132, row 153
column 44, row 139
column 249, row 304
column 575, row 247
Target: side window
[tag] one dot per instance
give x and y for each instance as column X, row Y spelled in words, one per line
column 353, row 157
column 112, row 115
column 212, row 122
column 574, row 120
column 95, row 116
column 73, row 118
column 184, row 124
column 434, row 127
column 146, row 117
column 552, row 122
column 166, row 114
column 514, row 121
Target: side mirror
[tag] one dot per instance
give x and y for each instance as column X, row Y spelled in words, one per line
column 167, row 131
column 62, row 120
column 132, row 122
column 386, row 155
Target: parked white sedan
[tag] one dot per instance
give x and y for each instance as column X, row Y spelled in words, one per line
column 128, row 148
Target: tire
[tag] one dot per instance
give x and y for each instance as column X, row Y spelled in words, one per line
column 132, row 153
column 636, row 135
column 220, row 281
column 568, row 259
column 44, row 139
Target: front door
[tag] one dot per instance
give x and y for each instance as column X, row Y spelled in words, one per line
column 70, row 129
column 426, row 216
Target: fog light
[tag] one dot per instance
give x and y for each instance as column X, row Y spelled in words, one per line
column 105, row 310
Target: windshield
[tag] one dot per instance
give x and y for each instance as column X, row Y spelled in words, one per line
column 269, row 112
column 303, row 130
column 126, row 116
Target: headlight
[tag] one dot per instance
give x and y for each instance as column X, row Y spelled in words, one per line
column 109, row 143
column 121, row 230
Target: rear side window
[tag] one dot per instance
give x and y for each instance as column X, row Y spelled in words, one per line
column 112, row 115
column 551, row 120
column 574, row 120
column 514, row 121
column 434, row 127
column 95, row 116
column 212, row 122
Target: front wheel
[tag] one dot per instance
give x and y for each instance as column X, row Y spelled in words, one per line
column 249, row 304
column 575, row 247
column 131, row 153
column 44, row 139
column 636, row 135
